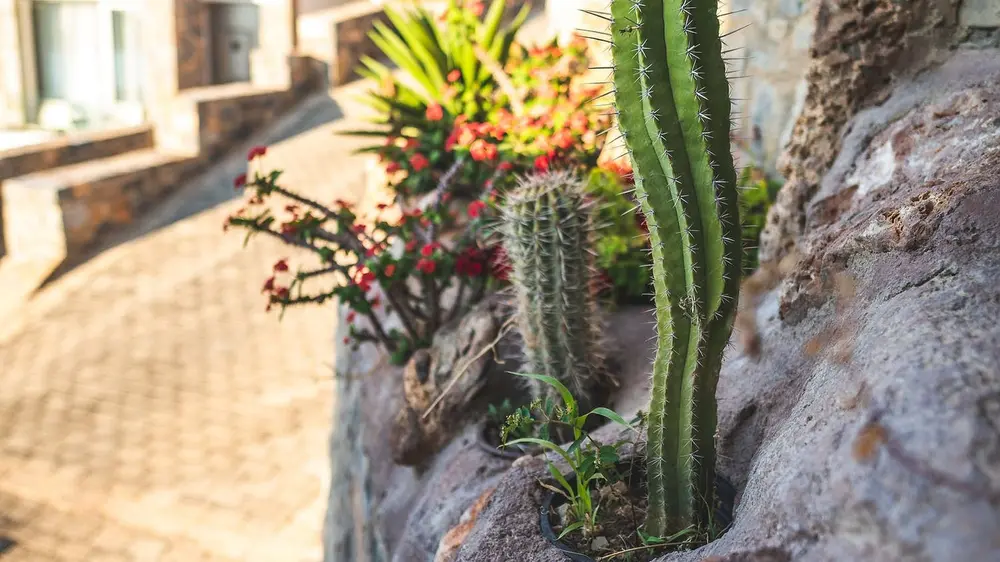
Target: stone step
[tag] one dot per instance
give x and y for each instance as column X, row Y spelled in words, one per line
column 57, row 213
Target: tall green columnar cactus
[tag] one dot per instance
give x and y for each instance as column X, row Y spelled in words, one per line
column 547, row 231
column 672, row 99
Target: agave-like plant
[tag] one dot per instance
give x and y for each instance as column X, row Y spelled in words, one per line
column 448, row 64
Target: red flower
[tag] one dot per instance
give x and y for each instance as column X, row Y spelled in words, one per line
column 364, row 278
column 370, row 252
column 240, row 181
column 282, row 265
column 256, row 152
column 505, row 166
column 390, row 269
column 476, row 208
column 376, row 301
column 542, row 163
column 429, row 249
column 419, row 162
column 411, row 144
column 434, row 112
column 476, row 8
column 358, row 228
column 289, row 228
column 454, row 75
column 466, row 134
column 351, row 316
column 411, row 245
column 470, row 263
column 347, row 340
column 268, row 285
column 426, row 266
column 563, row 139
column 391, row 168
column 281, row 293
column 482, row 150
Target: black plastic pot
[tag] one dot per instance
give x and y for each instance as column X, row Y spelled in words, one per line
column 724, row 491
column 510, row 453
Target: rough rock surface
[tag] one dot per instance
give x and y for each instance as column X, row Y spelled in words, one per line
column 441, row 385
column 868, row 428
column 380, row 510
column 860, row 49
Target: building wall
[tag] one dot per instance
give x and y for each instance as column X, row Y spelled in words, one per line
column 11, row 102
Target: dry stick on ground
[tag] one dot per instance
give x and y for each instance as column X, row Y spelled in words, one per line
column 461, row 372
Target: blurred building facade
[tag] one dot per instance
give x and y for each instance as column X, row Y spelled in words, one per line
column 93, row 64
column 107, row 105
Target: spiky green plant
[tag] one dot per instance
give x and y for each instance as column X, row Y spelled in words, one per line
column 672, row 99
column 546, row 225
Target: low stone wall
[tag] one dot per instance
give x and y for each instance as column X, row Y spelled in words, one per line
column 73, row 149
column 68, row 150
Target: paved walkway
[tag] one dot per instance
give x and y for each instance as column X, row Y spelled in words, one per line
column 150, row 410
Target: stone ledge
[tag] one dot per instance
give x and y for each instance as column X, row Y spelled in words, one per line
column 206, row 122
column 73, row 149
column 58, row 213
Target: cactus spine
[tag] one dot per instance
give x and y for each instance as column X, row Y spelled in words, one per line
column 547, row 234
column 672, row 100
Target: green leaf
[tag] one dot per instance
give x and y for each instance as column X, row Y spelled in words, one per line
column 411, row 34
column 561, row 480
column 545, row 445
column 569, row 529
column 567, row 396
column 608, row 455
column 491, row 23
column 611, row 415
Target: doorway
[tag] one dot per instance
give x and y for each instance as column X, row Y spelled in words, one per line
column 235, row 29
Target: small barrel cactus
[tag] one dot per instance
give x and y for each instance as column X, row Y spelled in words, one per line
column 547, row 230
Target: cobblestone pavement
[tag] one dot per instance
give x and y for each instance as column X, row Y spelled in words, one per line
column 150, row 410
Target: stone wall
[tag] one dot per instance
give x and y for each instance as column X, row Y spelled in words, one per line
column 73, row 149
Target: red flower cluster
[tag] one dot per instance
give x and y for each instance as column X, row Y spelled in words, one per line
column 429, row 249
column 476, row 208
column 465, row 135
column 363, row 278
column 434, row 112
column 426, row 266
column 471, row 262
column 419, row 162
